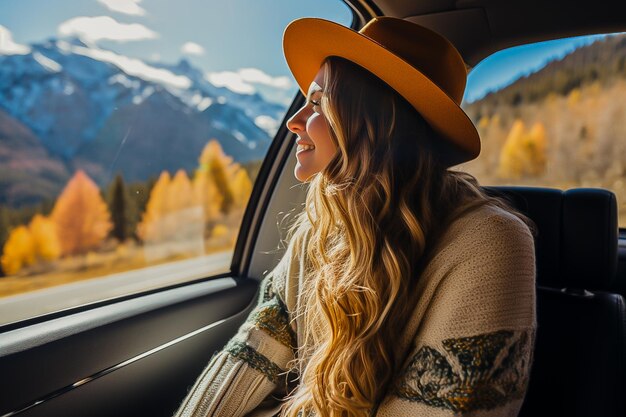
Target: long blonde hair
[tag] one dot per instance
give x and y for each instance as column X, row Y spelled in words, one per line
column 371, row 217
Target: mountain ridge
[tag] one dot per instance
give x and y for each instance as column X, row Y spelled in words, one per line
column 75, row 100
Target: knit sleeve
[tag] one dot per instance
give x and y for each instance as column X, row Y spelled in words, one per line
column 473, row 350
column 248, row 376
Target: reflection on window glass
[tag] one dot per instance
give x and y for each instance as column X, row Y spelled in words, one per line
column 130, row 138
column 553, row 114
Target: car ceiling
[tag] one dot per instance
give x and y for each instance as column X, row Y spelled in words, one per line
column 480, row 27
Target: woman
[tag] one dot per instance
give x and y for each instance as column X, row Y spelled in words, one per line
column 404, row 290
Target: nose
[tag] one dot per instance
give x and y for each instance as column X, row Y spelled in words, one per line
column 297, row 122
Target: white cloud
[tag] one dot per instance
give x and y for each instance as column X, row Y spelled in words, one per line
column 130, row 7
column 192, row 48
column 8, row 47
column 256, row 76
column 105, row 28
column 131, row 66
column 243, row 80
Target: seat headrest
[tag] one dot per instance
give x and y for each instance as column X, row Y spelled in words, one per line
column 576, row 242
column 589, row 238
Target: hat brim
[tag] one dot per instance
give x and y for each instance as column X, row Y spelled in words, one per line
column 308, row 41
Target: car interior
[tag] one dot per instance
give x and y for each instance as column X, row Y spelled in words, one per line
column 139, row 354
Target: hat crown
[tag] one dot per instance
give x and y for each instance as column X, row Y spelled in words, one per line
column 418, row 63
column 427, row 51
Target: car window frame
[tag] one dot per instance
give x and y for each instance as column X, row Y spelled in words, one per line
column 264, row 185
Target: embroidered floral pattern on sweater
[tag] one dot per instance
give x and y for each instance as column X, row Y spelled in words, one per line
column 472, row 373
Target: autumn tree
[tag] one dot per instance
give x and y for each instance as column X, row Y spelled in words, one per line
column 209, row 198
column 169, row 209
column 181, row 196
column 46, row 244
column 172, row 222
column 4, row 231
column 219, row 168
column 524, row 153
column 536, row 150
column 18, row 250
column 242, row 188
column 148, row 228
column 186, row 212
column 81, row 215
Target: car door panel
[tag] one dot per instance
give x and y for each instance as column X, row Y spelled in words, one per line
column 138, row 353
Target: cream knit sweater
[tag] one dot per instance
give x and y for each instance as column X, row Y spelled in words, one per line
column 468, row 343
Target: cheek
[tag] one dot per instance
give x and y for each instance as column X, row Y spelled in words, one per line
column 319, row 132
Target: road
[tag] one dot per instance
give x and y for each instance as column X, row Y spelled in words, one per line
column 31, row 304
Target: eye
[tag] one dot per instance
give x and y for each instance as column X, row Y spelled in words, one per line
column 314, row 103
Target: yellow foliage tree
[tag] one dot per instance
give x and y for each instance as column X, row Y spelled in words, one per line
column 180, row 193
column 81, row 216
column 18, row 250
column 511, row 164
column 172, row 222
column 157, row 205
column 536, row 150
column 172, row 211
column 220, row 169
column 483, row 123
column 208, row 197
column 573, row 97
column 523, row 153
column 242, row 188
column 46, row 243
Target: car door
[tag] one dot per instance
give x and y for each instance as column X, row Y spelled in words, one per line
column 121, row 338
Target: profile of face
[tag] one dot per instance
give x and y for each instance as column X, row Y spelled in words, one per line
column 315, row 145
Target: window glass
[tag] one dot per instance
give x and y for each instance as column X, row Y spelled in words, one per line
column 552, row 114
column 131, row 133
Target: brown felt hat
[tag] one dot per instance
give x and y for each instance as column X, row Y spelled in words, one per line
column 421, row 65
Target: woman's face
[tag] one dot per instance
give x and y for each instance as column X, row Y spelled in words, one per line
column 315, row 145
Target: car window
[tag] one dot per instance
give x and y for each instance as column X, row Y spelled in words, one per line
column 552, row 114
column 131, row 134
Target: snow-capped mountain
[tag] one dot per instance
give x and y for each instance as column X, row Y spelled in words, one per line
column 253, row 105
column 94, row 109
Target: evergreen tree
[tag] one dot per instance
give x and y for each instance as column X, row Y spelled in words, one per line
column 139, row 193
column 122, row 209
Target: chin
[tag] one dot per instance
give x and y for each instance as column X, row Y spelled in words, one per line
column 302, row 175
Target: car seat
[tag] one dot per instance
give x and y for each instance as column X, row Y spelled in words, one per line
column 579, row 365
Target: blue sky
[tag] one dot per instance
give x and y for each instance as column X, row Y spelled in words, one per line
column 233, row 33
column 501, row 68
column 235, row 42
